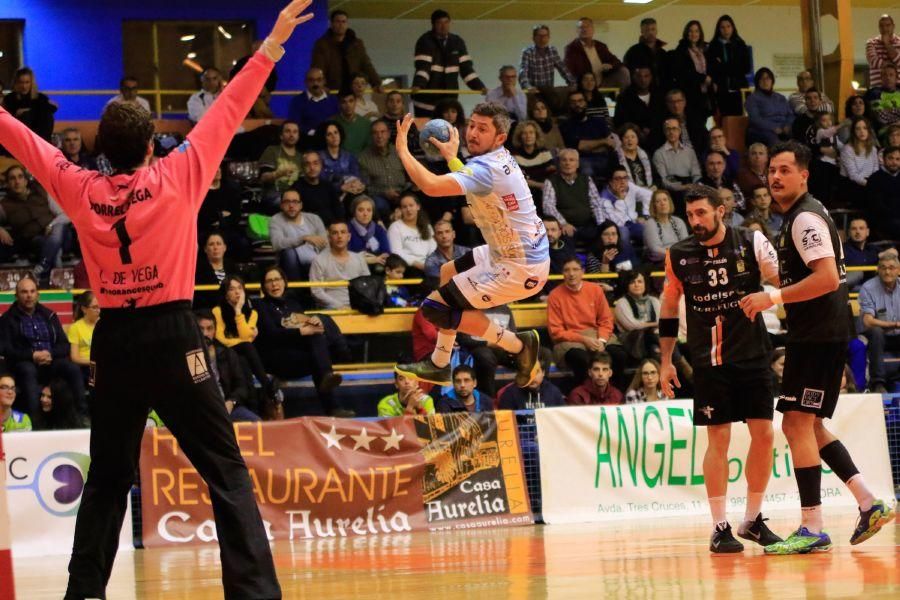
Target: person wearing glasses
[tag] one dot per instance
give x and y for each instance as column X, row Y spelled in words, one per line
column 11, row 419
column 128, row 93
column 81, row 332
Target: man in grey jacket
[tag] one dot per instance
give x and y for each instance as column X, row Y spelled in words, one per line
column 297, row 236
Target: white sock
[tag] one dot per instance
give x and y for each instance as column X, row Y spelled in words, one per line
column 717, row 508
column 754, row 505
column 503, row 337
column 864, row 496
column 811, row 518
column 443, row 349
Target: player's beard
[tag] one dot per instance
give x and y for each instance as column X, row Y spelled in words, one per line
column 703, row 234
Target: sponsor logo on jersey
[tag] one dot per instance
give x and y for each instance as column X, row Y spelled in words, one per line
column 811, row 238
column 531, row 283
column 739, row 265
column 485, row 298
column 510, row 201
column 196, row 362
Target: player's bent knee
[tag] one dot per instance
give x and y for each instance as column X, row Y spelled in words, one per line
column 448, row 270
column 440, row 315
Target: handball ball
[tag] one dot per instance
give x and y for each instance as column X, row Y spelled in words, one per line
column 439, row 129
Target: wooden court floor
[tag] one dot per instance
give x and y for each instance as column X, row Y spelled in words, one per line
column 664, row 558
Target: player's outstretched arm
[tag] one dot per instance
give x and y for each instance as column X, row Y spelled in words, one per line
column 425, row 180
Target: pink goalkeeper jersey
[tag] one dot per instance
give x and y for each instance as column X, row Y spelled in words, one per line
column 138, row 232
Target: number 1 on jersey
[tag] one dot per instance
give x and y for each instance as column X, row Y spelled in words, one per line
column 124, row 241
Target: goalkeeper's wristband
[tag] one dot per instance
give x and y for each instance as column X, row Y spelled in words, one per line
column 272, row 49
column 455, row 165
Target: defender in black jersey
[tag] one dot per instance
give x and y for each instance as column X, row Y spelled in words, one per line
column 713, row 270
column 814, row 292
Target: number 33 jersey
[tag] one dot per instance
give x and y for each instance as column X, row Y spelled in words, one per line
column 713, row 279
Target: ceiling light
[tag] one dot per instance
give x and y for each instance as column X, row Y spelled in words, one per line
column 224, row 33
column 192, row 55
column 854, row 84
column 188, row 38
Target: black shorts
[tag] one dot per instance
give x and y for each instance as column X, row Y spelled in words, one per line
column 812, row 377
column 733, row 392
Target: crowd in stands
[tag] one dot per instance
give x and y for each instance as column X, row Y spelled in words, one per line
column 328, row 199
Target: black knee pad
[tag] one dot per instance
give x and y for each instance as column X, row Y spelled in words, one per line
column 441, row 315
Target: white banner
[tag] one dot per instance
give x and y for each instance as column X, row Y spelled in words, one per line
column 4, row 516
column 45, row 475
column 628, row 461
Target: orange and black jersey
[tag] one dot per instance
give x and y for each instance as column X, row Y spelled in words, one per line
column 713, row 279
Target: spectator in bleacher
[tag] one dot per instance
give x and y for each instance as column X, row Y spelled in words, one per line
column 74, row 151
column 645, row 385
column 411, row 236
column 776, row 363
column 625, row 204
column 446, row 250
column 212, row 268
column 280, row 166
column 541, row 393
column 365, row 106
column 691, row 72
column 319, row 196
column 382, row 171
column 732, row 217
column 128, row 93
column 649, row 51
column 539, row 62
column 754, row 223
column 728, row 60
column 293, row 344
column 36, row 347
column 297, row 236
column 663, row 228
column 450, row 110
column 693, row 126
column 508, row 95
column 409, row 399
column 441, row 58
column 633, row 158
column 585, row 54
column 562, row 247
column 535, row 160
column 336, row 263
column 339, row 53
column 221, row 212
column 761, row 208
column 355, row 130
column 57, row 409
column 29, row 105
column 824, row 174
column 797, row 100
column 394, row 110
column 718, row 141
column 641, row 104
column 11, row 419
column 589, row 135
column 81, row 332
column 770, row 115
column 572, row 198
column 675, row 164
column 884, row 100
column 227, row 371
column 367, row 236
column 608, row 253
column 211, row 85
column 271, row 82
column 398, row 296
column 756, row 171
column 313, row 106
column 715, row 176
column 883, row 191
column 596, row 102
column 855, row 106
column 858, row 252
column 463, row 396
column 882, row 49
column 892, row 137
column 580, row 322
column 637, row 317
column 859, row 160
column 540, row 114
column 879, row 307
column 340, row 167
column 597, row 388
column 804, row 127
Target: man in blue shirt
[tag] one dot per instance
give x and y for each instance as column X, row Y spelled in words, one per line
column 590, row 135
column 879, row 307
column 313, row 106
column 858, row 252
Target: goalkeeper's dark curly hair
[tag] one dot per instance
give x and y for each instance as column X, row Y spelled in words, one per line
column 125, row 133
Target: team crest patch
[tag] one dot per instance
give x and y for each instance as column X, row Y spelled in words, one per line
column 812, row 398
column 196, row 362
column 510, row 201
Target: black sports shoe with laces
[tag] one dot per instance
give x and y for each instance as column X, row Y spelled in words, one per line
column 759, row 532
column 722, row 541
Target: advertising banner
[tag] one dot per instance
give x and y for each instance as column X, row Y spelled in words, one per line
column 629, row 461
column 7, row 588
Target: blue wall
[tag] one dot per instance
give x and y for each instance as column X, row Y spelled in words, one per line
column 77, row 44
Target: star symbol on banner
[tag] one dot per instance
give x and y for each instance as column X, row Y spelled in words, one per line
column 393, row 440
column 363, row 440
column 332, row 437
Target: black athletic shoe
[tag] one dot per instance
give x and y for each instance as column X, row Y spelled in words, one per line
column 527, row 359
column 723, row 542
column 758, row 532
column 425, row 370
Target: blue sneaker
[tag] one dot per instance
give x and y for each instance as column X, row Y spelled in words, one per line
column 802, row 541
column 871, row 521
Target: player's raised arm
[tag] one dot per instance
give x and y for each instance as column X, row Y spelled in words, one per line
column 668, row 329
column 425, row 180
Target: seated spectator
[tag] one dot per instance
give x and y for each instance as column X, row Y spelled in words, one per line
column 756, row 171
column 395, row 109
column 355, row 133
column 540, row 114
column 57, row 409
column 776, row 363
column 884, row 100
column 732, row 217
column 340, row 167
column 319, row 196
column 580, row 322
column 450, row 110
column 797, row 100
column 645, row 385
column 336, row 263
column 715, row 176
column 411, row 236
column 446, row 251
column 341, row 54
column 228, row 372
column 73, row 149
column 29, row 105
column 541, row 393
column 409, row 399
column 128, row 94
column 770, row 115
column 625, row 204
column 211, row 85
column 36, row 347
column 804, row 127
column 663, row 228
column 855, row 106
column 280, row 166
column 858, row 252
column 691, row 72
column 883, row 189
column 365, row 106
column 675, row 163
column 572, row 198
column 892, row 138
column 608, row 253
column 297, row 236
column 11, row 419
column 589, row 135
column 859, row 160
column 81, row 332
column 754, row 223
column 879, row 305
column 596, row 102
column 463, row 396
column 585, row 54
column 761, row 208
column 693, row 132
column 717, row 141
column 398, row 296
column 221, row 212
column 824, row 174
column 634, row 159
column 508, row 95
column 313, row 106
column 293, row 344
column 562, row 248
column 535, row 160
column 382, row 171
column 212, row 268
column 367, row 236
column 848, row 385
column 729, row 60
column 236, row 329
column 597, row 388
column 641, row 104
column 637, row 317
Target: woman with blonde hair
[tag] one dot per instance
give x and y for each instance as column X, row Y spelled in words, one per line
column 30, row 106
column 859, row 158
column 663, row 228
